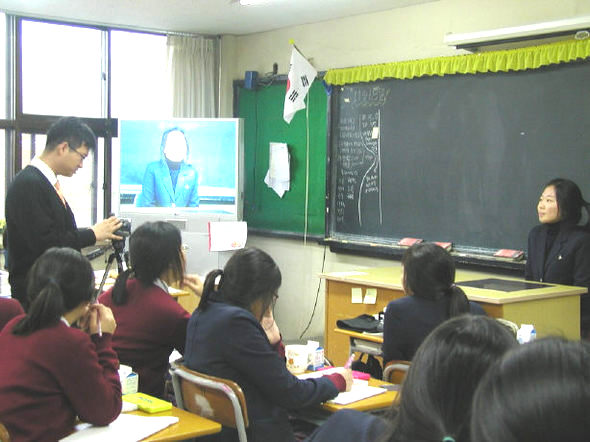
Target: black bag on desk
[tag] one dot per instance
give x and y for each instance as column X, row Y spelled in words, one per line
column 372, row 366
column 362, row 323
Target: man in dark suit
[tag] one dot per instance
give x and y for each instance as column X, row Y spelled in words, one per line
column 37, row 215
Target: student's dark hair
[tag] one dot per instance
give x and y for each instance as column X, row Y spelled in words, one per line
column 249, row 275
column 168, row 132
column 435, row 399
column 59, row 281
column 430, row 273
column 154, row 247
column 72, row 130
column 570, row 201
column 539, row 392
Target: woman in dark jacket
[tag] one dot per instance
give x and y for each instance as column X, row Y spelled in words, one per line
column 559, row 248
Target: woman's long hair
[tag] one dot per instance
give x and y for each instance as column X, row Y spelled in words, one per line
column 429, row 272
column 249, row 275
column 570, row 201
column 435, row 399
column 60, row 280
column 154, row 248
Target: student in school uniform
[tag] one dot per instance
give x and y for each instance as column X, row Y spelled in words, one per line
column 150, row 323
column 51, row 372
column 431, row 298
column 225, row 338
column 538, row 392
column 9, row 308
column 559, row 248
column 434, row 403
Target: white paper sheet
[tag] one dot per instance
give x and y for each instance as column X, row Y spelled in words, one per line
column 356, row 295
column 360, row 389
column 278, row 176
column 127, row 427
column 370, row 296
column 227, row 235
column 357, row 393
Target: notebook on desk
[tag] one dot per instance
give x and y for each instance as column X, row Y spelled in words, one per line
column 358, row 392
column 360, row 389
column 125, row 427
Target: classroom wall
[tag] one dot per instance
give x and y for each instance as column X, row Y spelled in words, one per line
column 412, row 32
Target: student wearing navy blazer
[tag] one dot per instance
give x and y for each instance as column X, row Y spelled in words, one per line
column 170, row 181
column 559, row 248
column 225, row 339
column 432, row 298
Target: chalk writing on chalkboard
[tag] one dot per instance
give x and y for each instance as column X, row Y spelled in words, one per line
column 359, row 180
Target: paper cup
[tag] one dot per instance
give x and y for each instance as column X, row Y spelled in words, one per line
column 297, row 358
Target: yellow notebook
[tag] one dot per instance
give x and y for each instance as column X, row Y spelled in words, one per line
column 147, row 403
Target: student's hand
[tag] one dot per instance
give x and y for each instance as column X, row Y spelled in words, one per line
column 270, row 327
column 194, row 283
column 105, row 228
column 347, row 375
column 105, row 315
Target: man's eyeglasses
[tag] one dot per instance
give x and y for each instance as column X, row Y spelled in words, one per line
column 82, row 156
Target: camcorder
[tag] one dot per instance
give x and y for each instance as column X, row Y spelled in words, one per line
column 124, row 231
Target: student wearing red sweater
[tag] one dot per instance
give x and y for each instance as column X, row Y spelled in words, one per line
column 9, row 308
column 150, row 323
column 52, row 373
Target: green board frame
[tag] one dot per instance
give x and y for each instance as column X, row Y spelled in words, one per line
column 262, row 111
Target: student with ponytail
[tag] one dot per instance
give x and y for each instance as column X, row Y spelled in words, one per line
column 51, row 372
column 225, row 339
column 559, row 248
column 151, row 324
column 432, row 297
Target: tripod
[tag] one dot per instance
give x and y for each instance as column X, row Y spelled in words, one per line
column 115, row 255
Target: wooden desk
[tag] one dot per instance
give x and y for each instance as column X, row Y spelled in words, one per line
column 554, row 309
column 373, row 403
column 188, row 426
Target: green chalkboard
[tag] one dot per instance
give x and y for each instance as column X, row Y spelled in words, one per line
column 262, row 111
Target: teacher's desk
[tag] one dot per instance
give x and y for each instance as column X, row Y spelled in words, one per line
column 553, row 309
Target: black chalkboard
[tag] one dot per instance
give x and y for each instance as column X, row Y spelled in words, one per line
column 460, row 158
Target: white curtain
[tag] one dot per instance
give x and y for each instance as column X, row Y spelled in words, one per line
column 192, row 62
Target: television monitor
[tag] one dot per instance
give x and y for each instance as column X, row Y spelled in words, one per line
column 185, row 171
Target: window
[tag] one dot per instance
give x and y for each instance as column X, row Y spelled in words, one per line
column 138, row 76
column 61, row 70
column 3, row 68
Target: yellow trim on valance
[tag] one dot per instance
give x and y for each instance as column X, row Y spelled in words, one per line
column 531, row 57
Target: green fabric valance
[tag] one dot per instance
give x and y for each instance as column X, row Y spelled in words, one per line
column 506, row 60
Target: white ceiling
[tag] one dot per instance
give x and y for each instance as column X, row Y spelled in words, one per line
column 199, row 16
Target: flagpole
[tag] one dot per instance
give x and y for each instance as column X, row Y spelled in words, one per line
column 306, row 170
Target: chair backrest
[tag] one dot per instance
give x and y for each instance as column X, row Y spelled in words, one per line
column 4, row 436
column 215, row 398
column 395, row 372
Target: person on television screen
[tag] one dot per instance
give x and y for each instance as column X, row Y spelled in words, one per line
column 170, row 181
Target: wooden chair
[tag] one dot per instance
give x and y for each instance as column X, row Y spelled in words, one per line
column 4, row 436
column 215, row 398
column 395, row 372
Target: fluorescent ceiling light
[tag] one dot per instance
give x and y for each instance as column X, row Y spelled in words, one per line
column 518, row 33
